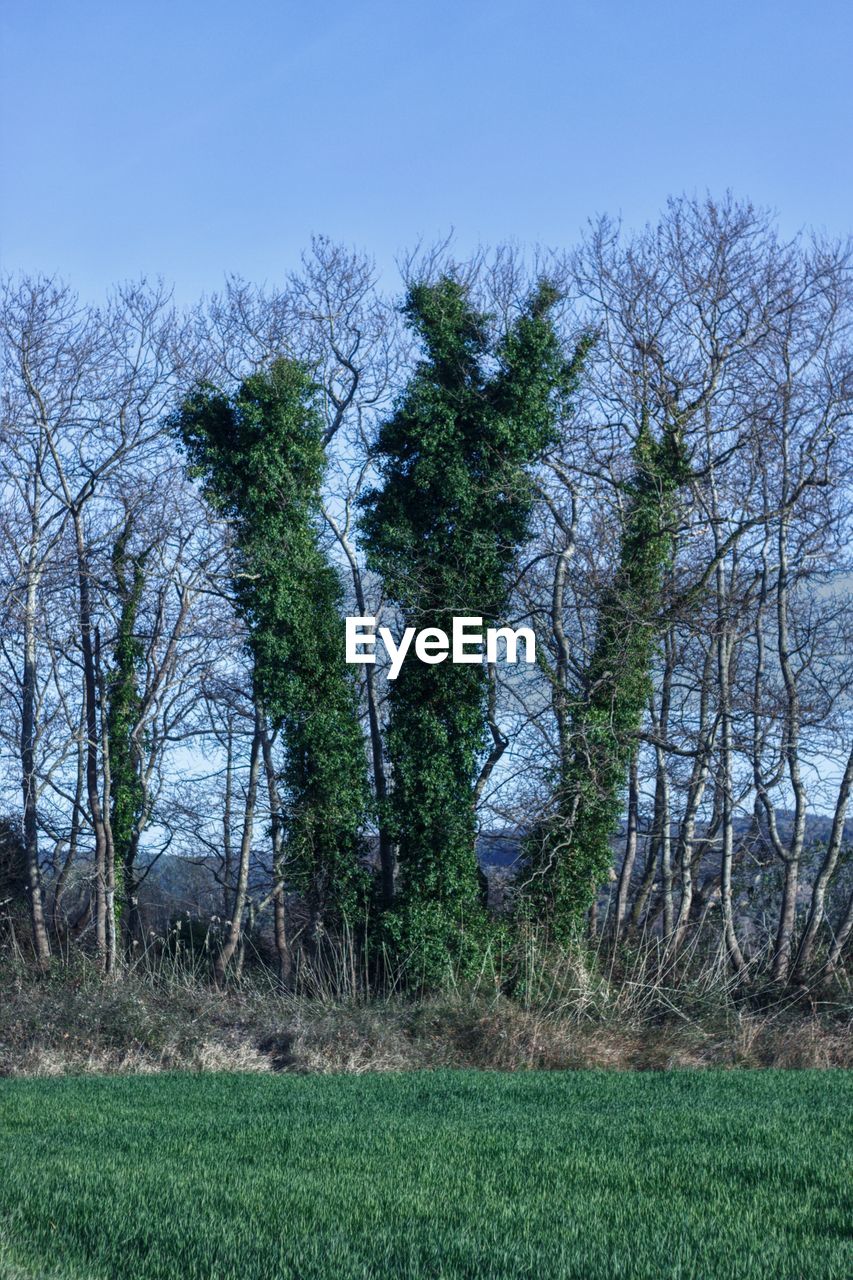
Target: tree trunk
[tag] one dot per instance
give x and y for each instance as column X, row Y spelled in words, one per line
column 130, row 918
column 387, row 850
column 227, row 844
column 845, row 928
column 651, row 856
column 665, row 849
column 110, row 905
column 695, row 794
column 629, row 859
column 58, row 921
column 282, row 946
column 102, row 931
column 824, row 876
column 29, row 782
column 724, row 652
column 788, row 913
column 232, row 937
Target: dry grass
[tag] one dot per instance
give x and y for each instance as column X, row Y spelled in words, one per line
column 637, row 1011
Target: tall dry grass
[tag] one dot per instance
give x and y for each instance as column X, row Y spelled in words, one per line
column 532, row 1005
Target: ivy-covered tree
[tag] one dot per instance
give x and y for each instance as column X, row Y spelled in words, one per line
column 127, row 793
column 13, row 868
column 443, row 529
column 260, row 456
column 570, row 854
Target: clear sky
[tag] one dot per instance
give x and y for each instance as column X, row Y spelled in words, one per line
column 192, row 138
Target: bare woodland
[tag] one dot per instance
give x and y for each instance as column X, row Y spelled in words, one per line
column 735, row 825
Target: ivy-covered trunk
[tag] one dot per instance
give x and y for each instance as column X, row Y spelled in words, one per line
column 127, row 792
column 443, row 530
column 570, row 855
column 259, row 453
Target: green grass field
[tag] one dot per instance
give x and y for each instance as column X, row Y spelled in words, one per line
column 446, row 1174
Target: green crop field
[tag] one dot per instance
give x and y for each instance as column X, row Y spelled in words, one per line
column 445, row 1174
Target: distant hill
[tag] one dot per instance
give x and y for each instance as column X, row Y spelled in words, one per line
column 176, row 884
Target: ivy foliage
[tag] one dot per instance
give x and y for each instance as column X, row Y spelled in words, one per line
column 571, row 853
column 261, row 459
column 127, row 793
column 442, row 529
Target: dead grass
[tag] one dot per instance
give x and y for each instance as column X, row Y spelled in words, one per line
column 75, row 1022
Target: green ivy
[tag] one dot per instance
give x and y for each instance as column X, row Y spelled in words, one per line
column 261, row 457
column 570, row 854
column 443, row 530
column 127, row 794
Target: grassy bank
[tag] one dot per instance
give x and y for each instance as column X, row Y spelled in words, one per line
column 442, row 1174
column 571, row 1014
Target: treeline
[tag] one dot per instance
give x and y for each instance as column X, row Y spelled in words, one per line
column 640, row 449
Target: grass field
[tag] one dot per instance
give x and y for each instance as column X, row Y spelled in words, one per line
column 438, row 1174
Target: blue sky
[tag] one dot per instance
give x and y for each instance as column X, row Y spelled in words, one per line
column 189, row 139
